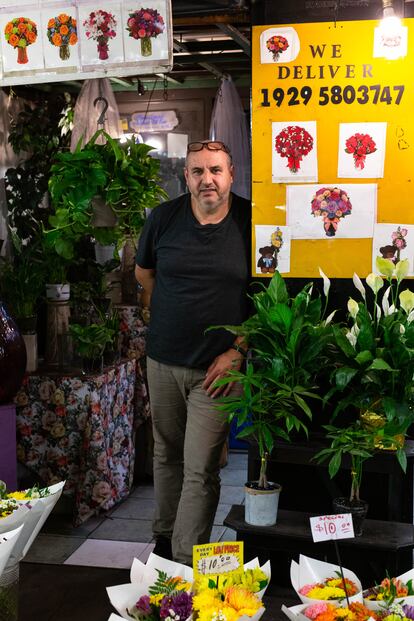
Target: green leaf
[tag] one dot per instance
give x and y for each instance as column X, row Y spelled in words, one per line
column 343, row 376
column 379, row 365
column 364, row 357
column 277, row 289
column 334, row 464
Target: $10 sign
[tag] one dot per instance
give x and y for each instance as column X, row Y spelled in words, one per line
column 336, row 526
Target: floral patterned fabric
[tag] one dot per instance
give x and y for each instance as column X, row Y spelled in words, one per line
column 80, row 429
column 133, row 340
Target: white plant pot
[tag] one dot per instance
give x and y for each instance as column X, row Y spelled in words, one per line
column 30, row 340
column 261, row 505
column 58, row 293
column 103, row 254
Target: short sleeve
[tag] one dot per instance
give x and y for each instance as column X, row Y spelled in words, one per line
column 145, row 256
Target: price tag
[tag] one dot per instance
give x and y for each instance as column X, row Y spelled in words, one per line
column 336, row 526
column 217, row 558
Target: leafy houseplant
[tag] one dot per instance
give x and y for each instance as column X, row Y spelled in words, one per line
column 286, row 339
column 123, row 174
column 372, row 376
column 90, row 343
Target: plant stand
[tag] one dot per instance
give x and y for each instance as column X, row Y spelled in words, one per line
column 57, row 325
column 8, row 460
column 9, row 593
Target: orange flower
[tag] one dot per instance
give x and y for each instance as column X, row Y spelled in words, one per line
column 73, row 21
column 63, row 18
column 57, row 39
column 73, row 39
column 51, row 23
column 31, row 36
column 22, row 27
column 9, row 28
column 22, row 19
column 63, row 30
column 14, row 40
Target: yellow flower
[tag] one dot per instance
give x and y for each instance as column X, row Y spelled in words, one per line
column 242, row 600
column 18, row 495
column 156, row 599
column 209, row 598
column 223, row 613
column 345, row 613
column 326, row 593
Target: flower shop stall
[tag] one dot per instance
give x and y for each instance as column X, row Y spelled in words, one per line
column 80, row 428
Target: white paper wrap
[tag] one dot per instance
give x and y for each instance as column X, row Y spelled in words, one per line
column 15, row 519
column 408, row 599
column 7, row 541
column 124, row 596
column 115, row 618
column 310, row 571
column 37, row 512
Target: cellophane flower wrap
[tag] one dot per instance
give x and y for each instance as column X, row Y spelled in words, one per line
column 398, row 590
column 293, row 142
column 331, row 204
column 360, row 145
column 276, row 45
column 101, row 27
column 145, row 23
column 315, row 580
column 20, row 32
column 34, row 506
column 154, row 594
column 62, row 32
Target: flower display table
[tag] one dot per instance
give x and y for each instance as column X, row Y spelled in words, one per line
column 80, row 428
column 384, row 548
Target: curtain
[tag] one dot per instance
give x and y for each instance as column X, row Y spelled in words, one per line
column 229, row 124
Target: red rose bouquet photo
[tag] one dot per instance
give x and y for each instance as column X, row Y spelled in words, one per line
column 100, row 26
column 276, row 45
column 61, row 32
column 21, row 32
column 145, row 24
column 331, row 204
column 293, row 142
column 360, row 145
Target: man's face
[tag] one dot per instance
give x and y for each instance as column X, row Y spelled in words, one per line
column 209, row 175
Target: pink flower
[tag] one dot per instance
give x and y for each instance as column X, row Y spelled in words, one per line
column 305, row 589
column 315, row 610
column 404, row 232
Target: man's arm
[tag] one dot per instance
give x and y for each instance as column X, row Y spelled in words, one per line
column 146, row 278
column 227, row 361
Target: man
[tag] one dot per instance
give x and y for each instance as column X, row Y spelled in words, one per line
column 193, row 264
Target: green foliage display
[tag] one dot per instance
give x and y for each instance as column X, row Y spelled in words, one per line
column 90, row 341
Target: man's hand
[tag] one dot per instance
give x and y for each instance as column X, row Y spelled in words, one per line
column 228, row 361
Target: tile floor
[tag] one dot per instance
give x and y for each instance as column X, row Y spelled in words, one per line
column 115, row 538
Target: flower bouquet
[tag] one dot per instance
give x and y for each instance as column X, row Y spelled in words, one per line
column 21, row 32
column 331, row 204
column 144, row 24
column 293, row 142
column 276, row 45
column 394, row 612
column 100, row 26
column 397, row 590
column 317, row 580
column 324, row 611
column 360, row 145
column 61, row 32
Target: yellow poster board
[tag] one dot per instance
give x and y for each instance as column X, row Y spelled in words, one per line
column 331, row 77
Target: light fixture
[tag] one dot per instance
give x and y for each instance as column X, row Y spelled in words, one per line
column 140, row 88
column 392, row 34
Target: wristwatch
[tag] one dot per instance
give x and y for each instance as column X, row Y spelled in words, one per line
column 241, row 350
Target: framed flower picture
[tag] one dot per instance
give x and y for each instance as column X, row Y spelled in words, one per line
column 394, row 242
column 279, row 45
column 361, row 150
column 294, row 153
column 272, row 249
column 145, row 30
column 21, row 41
column 101, row 34
column 60, row 33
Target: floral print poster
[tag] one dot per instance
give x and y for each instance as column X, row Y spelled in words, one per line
column 21, row 41
column 279, row 45
column 394, row 242
column 331, row 210
column 145, row 31
column 272, row 249
column 361, row 150
column 294, row 153
column 101, row 33
column 60, row 32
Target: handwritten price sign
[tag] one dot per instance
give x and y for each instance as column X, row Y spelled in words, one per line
column 337, row 526
column 217, row 558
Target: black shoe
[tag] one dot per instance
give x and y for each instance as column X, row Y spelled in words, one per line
column 163, row 547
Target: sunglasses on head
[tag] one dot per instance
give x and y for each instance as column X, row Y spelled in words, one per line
column 211, row 145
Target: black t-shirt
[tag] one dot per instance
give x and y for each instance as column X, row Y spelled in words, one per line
column 201, row 278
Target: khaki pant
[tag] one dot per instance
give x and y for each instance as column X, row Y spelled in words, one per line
column 189, row 434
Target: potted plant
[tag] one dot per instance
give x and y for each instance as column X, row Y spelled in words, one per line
column 372, row 378
column 286, row 339
column 123, row 175
column 90, row 343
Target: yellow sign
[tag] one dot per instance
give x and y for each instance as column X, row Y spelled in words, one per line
column 224, row 557
column 324, row 79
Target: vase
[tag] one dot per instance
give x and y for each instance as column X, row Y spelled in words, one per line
column 22, row 58
column 357, row 508
column 9, row 593
column 64, row 52
column 146, row 46
column 261, row 505
column 12, row 357
column 103, row 49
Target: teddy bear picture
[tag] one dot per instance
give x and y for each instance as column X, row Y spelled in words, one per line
column 267, row 262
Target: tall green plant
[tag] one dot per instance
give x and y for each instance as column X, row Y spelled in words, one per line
column 286, row 339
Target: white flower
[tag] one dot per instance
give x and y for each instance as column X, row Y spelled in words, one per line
column 402, row 268
column 326, row 283
column 374, row 282
column 384, row 266
column 402, row 329
column 353, row 308
column 329, row 319
column 351, row 338
column 378, row 311
column 385, row 303
column 410, row 317
column 407, row 300
column 358, row 284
